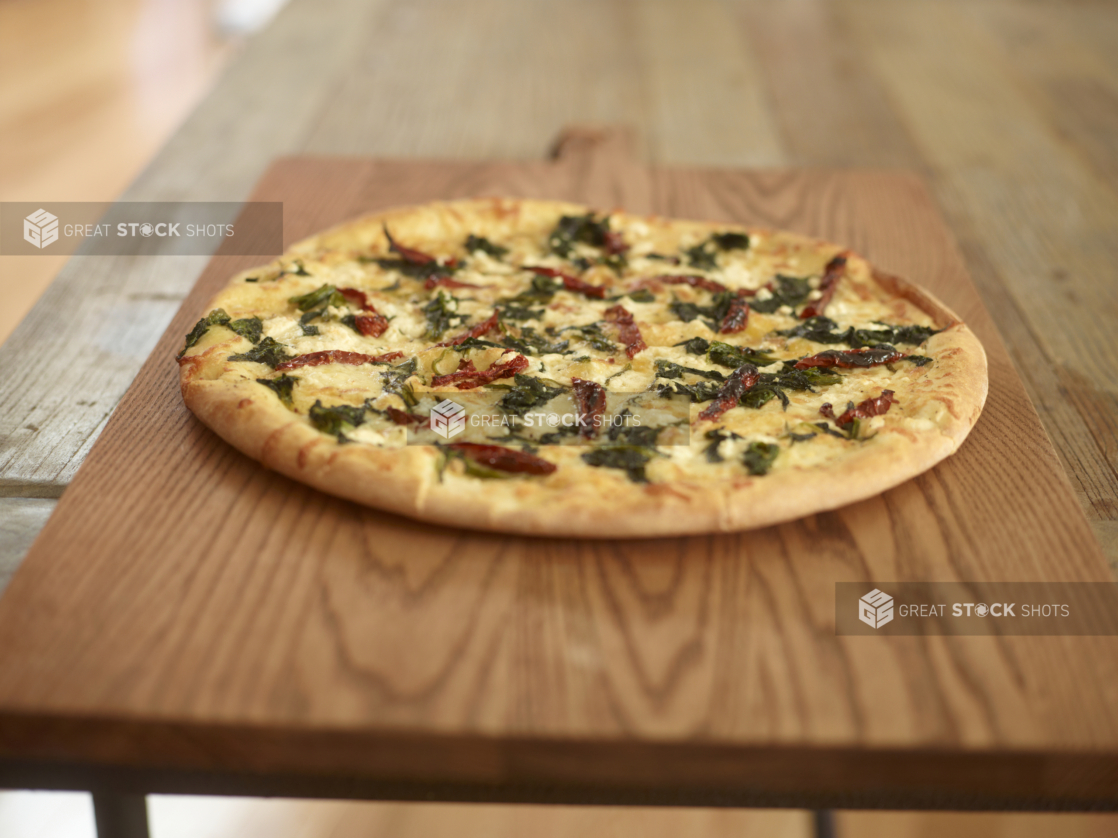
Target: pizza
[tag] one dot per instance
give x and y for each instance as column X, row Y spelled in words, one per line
column 544, row 368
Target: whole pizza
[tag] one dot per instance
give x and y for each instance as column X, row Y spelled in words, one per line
column 540, row 367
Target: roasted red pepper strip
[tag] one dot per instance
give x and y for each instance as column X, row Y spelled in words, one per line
column 371, row 325
column 591, row 404
column 872, row 356
column 739, row 381
column 737, row 318
column 629, row 333
column 689, row 279
column 416, row 257
column 867, row 408
column 467, row 375
column 356, row 297
column 336, row 356
column 504, row 459
column 573, row 283
column 446, row 282
column 402, row 417
column 475, row 331
column 831, row 275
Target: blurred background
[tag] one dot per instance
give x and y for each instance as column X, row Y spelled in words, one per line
column 1008, row 107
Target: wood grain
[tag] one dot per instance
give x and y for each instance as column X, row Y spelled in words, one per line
column 246, row 625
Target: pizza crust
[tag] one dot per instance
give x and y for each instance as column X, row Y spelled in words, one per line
column 577, row 501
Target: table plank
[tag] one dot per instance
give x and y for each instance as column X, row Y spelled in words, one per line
column 267, row 631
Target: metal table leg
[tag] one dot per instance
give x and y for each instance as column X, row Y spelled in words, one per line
column 120, row 815
column 824, row 823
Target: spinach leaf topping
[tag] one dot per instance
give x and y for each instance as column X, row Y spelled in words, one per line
column 759, row 457
column 825, row 330
column 727, row 355
column 696, row 346
column 336, row 420
column 587, row 229
column 631, row 459
column 641, row 295
column 640, row 436
column 702, row 391
column 250, row 328
column 395, row 381
column 324, row 295
column 731, row 241
column 268, row 351
column 717, row 437
column 217, row 317
column 592, row 333
column 527, row 393
column 667, row 369
column 485, row 246
column 712, row 315
column 514, row 312
column 282, row 387
column 786, row 291
column 704, row 255
column 442, row 313
column 540, row 292
column 531, row 342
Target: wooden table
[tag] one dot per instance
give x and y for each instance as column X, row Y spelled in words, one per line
column 1007, row 109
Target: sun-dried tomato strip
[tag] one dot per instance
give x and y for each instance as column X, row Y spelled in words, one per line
column 866, row 409
column 475, row 331
column 591, row 405
column 831, row 275
column 873, row 356
column 827, row 410
column 467, row 375
column 371, row 325
column 629, row 332
column 446, row 282
column 739, row 381
column 358, row 298
column 693, row 280
column 737, row 318
column 572, row 283
column 336, row 356
column 614, row 243
column 402, row 417
column 504, row 459
column 408, row 254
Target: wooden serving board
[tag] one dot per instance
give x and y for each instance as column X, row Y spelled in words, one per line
column 188, row 615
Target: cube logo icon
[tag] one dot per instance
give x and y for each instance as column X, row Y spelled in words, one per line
column 40, row 228
column 448, row 419
column 875, row 609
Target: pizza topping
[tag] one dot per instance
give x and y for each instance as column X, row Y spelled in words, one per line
column 669, row 369
column 415, row 257
column 268, row 351
column 737, row 315
column 727, row 355
column 869, row 357
column 395, row 381
column 483, row 244
column 475, row 331
column 868, row 408
column 323, row 295
column 442, row 313
column 628, row 331
column 371, row 325
column 704, row 255
column 739, row 381
column 467, row 376
column 530, row 342
column 402, row 417
column 446, row 282
column 336, row 420
column 336, row 356
column 632, row 459
column 694, row 280
column 504, row 459
column 827, row 285
column 696, row 346
column 759, row 457
column 250, row 328
column 783, row 291
column 217, row 317
column 591, row 405
column 587, row 229
column 571, row 283
column 528, row 392
column 283, row 387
